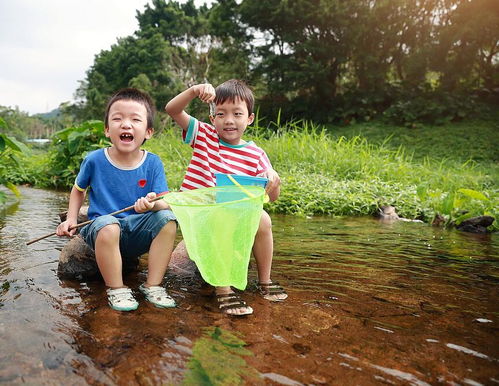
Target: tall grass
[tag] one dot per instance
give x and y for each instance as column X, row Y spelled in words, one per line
column 322, row 174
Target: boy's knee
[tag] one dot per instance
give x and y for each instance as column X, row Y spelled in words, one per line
column 109, row 231
column 265, row 222
column 163, row 216
column 167, row 218
column 170, row 227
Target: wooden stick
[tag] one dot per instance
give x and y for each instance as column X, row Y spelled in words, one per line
column 89, row 221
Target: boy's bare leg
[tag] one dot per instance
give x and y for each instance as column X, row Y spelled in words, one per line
column 263, row 250
column 160, row 253
column 108, row 256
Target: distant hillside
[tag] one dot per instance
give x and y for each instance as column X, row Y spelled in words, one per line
column 51, row 114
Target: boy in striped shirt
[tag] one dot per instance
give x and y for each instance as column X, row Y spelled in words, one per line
column 219, row 148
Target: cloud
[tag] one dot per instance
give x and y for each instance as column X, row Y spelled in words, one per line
column 47, row 46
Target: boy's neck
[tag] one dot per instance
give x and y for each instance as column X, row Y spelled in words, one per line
column 125, row 159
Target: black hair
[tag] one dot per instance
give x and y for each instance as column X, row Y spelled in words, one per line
column 134, row 95
column 235, row 89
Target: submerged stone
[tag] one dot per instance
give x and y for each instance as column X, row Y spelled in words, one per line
column 477, row 224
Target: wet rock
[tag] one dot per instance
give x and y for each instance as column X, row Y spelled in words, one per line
column 317, row 320
column 387, row 213
column 301, row 349
column 181, row 265
column 77, row 261
column 476, row 224
column 82, row 215
column 438, row 220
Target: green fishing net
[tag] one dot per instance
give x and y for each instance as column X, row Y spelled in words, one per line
column 219, row 226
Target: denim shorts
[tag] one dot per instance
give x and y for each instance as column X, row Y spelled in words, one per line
column 137, row 230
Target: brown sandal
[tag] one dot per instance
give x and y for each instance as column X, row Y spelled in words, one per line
column 232, row 301
column 272, row 291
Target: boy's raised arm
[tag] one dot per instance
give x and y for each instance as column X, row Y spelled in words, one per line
column 176, row 107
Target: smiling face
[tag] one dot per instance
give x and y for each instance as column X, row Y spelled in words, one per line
column 231, row 119
column 127, row 126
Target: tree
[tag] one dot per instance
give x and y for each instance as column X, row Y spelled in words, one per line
column 469, row 46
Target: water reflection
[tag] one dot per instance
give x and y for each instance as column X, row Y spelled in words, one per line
column 369, row 303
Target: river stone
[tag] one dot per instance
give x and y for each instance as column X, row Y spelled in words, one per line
column 77, row 262
column 387, row 212
column 77, row 259
column 82, row 215
column 477, row 224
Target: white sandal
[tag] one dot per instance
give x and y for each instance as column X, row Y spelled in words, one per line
column 158, row 296
column 121, row 299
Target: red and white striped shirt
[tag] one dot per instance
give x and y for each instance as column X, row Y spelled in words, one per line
column 212, row 155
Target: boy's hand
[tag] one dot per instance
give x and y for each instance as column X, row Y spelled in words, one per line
column 63, row 228
column 144, row 204
column 273, row 184
column 205, row 92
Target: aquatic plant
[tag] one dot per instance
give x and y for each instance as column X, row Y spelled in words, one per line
column 10, row 149
column 217, row 359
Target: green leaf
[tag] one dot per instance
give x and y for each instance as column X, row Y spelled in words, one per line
column 3, row 124
column 2, row 143
column 463, row 217
column 13, row 188
column 448, row 204
column 473, row 194
column 421, row 192
column 15, row 145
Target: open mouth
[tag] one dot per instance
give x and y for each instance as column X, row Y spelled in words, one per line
column 126, row 137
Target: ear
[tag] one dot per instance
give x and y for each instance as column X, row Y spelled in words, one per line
column 106, row 131
column 212, row 120
column 251, row 118
column 149, row 133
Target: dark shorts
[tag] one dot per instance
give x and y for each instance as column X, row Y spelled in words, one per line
column 137, row 230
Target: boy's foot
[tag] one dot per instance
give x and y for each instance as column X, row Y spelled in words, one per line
column 157, row 295
column 232, row 304
column 272, row 292
column 121, row 299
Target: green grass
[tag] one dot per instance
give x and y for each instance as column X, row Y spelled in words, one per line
column 340, row 173
column 475, row 142
column 450, row 170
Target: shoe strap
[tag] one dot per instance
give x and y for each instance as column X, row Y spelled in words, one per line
column 119, row 291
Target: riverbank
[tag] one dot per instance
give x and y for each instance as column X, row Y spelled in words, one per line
column 449, row 170
column 353, row 171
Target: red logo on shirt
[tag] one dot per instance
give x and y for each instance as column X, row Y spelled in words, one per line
column 142, row 183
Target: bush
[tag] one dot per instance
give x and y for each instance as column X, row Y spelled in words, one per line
column 431, row 107
column 69, row 148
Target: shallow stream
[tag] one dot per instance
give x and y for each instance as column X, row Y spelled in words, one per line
column 369, row 303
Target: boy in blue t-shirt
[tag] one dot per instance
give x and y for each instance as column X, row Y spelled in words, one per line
column 117, row 177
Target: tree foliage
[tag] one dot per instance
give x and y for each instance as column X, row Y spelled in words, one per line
column 321, row 59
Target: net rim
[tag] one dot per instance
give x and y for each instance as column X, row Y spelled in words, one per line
column 259, row 194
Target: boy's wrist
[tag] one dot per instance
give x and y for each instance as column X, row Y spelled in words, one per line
column 194, row 91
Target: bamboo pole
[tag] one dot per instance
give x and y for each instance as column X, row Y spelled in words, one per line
column 82, row 224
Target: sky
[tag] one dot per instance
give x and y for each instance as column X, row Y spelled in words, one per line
column 46, row 46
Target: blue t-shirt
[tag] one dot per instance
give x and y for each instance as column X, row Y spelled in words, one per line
column 113, row 187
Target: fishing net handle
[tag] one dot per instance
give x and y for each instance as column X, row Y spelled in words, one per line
column 82, row 224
